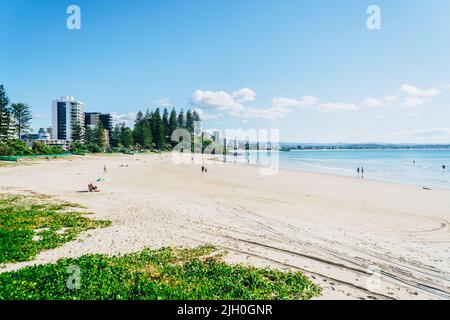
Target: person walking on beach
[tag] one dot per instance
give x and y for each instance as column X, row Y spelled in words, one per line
column 357, row 170
column 105, row 169
column 362, row 172
column 203, row 169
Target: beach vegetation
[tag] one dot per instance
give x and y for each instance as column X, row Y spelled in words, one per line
column 165, row 274
column 16, row 147
column 30, row 224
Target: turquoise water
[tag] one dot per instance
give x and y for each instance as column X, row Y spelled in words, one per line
column 415, row 167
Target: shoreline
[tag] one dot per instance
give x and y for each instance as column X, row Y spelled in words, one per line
column 367, row 177
column 334, row 229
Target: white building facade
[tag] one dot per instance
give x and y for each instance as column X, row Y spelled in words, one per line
column 66, row 112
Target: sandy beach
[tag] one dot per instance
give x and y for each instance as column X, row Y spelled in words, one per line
column 358, row 239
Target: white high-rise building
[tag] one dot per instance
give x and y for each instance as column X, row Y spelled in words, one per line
column 216, row 135
column 8, row 121
column 66, row 112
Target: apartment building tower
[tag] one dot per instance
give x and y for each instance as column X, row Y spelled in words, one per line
column 66, row 113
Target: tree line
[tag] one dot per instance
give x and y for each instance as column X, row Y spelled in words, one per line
column 153, row 130
column 14, row 117
column 15, row 121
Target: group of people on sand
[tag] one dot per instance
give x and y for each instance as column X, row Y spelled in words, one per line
column 204, row 169
column 94, row 188
column 360, row 171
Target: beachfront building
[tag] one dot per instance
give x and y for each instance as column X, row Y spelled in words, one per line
column 66, row 113
column 64, row 144
column 10, row 131
column 216, row 135
column 92, row 119
column 43, row 134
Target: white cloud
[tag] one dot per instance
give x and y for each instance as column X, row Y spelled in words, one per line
column 430, row 132
column 390, row 100
column 273, row 113
column 412, row 103
column 414, row 115
column 244, row 95
column 377, row 103
column 164, row 102
column 414, row 98
column 127, row 118
column 306, row 101
column 328, row 107
column 284, row 102
column 419, row 93
column 223, row 101
column 219, row 100
column 234, row 103
column 206, row 116
column 373, row 103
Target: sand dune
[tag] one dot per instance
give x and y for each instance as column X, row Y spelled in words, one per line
column 356, row 238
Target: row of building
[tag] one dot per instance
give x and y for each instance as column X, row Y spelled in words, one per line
column 68, row 112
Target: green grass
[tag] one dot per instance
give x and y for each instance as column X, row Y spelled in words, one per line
column 31, row 224
column 165, row 274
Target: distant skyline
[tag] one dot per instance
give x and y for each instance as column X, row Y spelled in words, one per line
column 310, row 68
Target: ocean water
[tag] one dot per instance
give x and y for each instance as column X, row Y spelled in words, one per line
column 414, row 167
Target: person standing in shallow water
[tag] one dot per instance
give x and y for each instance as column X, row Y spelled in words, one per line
column 357, row 170
column 362, row 172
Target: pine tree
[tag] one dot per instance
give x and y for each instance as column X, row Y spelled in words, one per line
column 181, row 122
column 148, row 117
column 196, row 116
column 99, row 136
column 165, row 124
column 22, row 116
column 77, row 133
column 115, row 137
column 190, row 122
column 173, row 123
column 197, row 123
column 88, row 136
column 5, row 115
column 157, row 129
column 147, row 142
column 126, row 136
column 138, row 132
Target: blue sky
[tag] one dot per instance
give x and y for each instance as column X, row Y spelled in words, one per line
column 310, row 68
